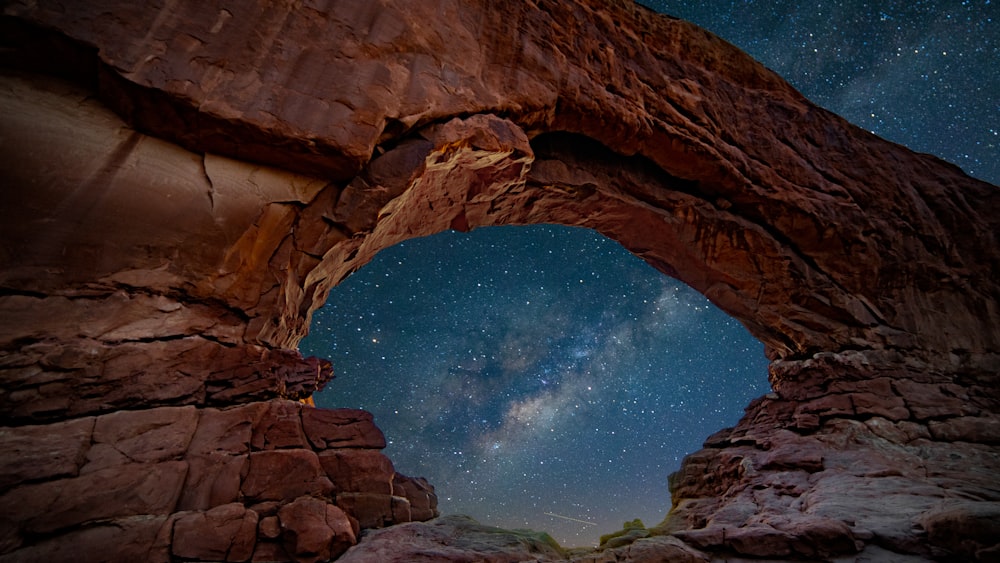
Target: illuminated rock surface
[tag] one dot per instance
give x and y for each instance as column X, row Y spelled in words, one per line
column 183, row 186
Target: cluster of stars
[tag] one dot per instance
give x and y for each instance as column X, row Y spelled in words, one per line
column 918, row 73
column 517, row 390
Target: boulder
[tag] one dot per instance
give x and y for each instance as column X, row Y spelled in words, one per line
column 967, row 529
column 313, row 530
column 341, row 428
column 420, row 495
column 359, row 470
column 284, row 474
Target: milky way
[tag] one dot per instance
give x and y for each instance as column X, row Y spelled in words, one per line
column 542, row 376
column 916, row 72
column 527, row 371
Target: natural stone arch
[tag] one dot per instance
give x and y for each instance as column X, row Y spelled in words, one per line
column 867, row 270
column 738, row 139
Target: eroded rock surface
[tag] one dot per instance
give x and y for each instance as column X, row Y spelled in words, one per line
column 454, row 538
column 200, row 483
column 824, row 475
column 184, row 183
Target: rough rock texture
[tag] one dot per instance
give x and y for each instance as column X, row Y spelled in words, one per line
column 198, row 483
column 454, row 538
column 184, row 183
column 460, row 538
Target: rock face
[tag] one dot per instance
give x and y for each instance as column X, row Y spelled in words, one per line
column 454, row 538
column 184, row 183
column 270, row 480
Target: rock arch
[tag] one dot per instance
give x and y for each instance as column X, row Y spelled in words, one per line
column 168, row 255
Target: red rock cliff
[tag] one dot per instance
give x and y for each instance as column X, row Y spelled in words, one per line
column 184, row 183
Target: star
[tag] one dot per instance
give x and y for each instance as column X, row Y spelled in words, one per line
column 583, row 391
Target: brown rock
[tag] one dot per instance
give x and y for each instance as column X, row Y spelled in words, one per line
column 280, row 426
column 830, row 405
column 892, row 409
column 927, row 400
column 10, row 535
column 370, row 509
column 733, row 515
column 712, row 538
column 226, row 431
column 452, row 538
column 213, row 479
column 341, row 428
column 900, row 432
column 980, row 429
column 653, row 550
column 419, row 493
column 314, row 530
column 402, row 511
column 140, row 436
column 838, row 266
column 258, row 373
column 270, row 552
column 759, row 541
column 797, row 455
column 136, row 538
column 967, row 529
column 108, row 493
column 225, row 533
column 284, row 474
column 269, row 527
column 43, row 452
column 882, row 506
column 358, row 471
column 815, row 536
column 776, row 536
column 267, row 508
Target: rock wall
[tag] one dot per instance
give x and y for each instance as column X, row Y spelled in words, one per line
column 184, row 183
column 849, row 455
column 269, row 481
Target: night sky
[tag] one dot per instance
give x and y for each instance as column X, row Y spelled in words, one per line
column 544, row 377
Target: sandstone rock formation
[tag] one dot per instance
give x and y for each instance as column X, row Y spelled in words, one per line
column 269, row 480
column 184, row 183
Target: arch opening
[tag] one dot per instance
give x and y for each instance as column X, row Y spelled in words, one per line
column 539, row 377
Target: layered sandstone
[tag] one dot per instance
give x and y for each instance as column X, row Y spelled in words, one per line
column 183, row 185
column 271, row 480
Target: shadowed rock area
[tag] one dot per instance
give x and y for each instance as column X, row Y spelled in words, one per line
column 183, row 184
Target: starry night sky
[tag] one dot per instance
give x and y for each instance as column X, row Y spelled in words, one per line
column 535, row 374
